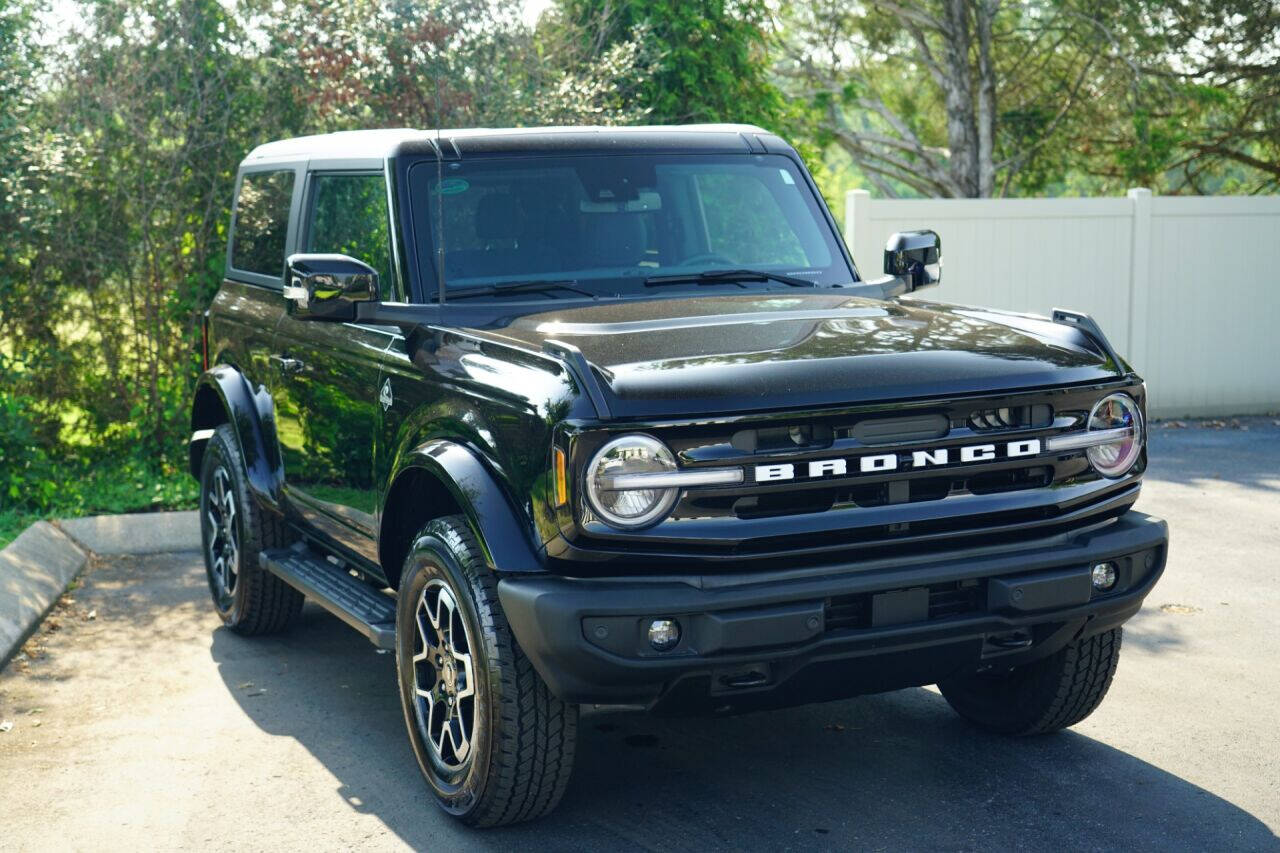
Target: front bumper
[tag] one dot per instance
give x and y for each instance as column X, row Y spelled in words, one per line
column 833, row 631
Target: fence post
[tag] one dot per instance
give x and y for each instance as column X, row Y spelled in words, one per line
column 1139, row 276
column 857, row 227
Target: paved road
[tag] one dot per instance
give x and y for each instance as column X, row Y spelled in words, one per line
column 157, row 728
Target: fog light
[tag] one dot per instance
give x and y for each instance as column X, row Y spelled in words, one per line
column 1104, row 576
column 664, row 634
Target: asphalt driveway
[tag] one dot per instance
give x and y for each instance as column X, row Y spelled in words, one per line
column 139, row 722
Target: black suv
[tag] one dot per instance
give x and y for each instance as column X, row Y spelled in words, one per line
column 607, row 416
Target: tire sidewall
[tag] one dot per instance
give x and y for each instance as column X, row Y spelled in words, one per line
column 430, row 558
column 217, row 453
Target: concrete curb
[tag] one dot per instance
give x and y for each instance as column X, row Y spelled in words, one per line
column 35, row 569
column 38, row 566
column 136, row 533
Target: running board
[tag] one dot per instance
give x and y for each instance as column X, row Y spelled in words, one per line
column 368, row 611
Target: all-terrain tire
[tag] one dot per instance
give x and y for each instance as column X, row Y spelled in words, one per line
column 1043, row 696
column 522, row 738
column 249, row 599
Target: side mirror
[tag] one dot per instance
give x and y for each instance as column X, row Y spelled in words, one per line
column 915, row 256
column 328, row 287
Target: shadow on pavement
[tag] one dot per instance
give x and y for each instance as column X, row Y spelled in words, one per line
column 892, row 771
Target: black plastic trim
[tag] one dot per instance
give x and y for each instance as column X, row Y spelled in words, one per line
column 368, row 611
column 547, row 614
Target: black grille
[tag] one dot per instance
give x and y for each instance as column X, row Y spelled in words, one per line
column 914, row 490
column 955, row 599
column 863, row 515
column 945, row 600
column 1011, row 417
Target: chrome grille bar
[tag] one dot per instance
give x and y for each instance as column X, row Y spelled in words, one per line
column 1087, row 438
column 675, row 479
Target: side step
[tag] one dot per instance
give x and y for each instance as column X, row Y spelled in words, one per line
column 359, row 605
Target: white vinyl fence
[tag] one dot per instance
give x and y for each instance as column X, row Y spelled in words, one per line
column 1186, row 288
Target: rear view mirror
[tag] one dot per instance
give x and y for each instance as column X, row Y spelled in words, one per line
column 328, row 287
column 915, row 256
column 644, row 202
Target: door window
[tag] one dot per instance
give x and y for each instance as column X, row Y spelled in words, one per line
column 349, row 217
column 262, row 222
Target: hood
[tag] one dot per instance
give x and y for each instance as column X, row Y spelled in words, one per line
column 729, row 354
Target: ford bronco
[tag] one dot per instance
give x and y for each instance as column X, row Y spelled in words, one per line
column 608, row 417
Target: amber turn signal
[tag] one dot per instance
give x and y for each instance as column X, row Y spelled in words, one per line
column 561, row 476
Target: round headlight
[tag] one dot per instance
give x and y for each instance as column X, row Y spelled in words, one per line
column 630, row 507
column 1115, row 458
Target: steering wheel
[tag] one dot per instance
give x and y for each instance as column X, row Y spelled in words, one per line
column 705, row 257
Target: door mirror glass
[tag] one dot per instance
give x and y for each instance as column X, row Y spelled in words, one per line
column 915, row 256
column 328, row 287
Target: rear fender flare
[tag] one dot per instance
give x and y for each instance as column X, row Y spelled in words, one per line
column 223, row 395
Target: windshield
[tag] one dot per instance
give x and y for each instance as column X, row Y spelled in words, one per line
column 606, row 224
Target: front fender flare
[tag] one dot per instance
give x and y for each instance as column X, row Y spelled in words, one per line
column 499, row 526
column 224, row 395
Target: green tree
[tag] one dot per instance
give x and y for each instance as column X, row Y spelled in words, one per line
column 992, row 97
column 1209, row 117
column 711, row 56
column 447, row 63
column 154, row 107
column 27, row 336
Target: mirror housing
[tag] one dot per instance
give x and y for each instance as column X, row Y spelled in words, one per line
column 328, row 287
column 915, row 256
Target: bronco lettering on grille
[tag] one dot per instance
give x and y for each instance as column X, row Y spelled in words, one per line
column 881, row 462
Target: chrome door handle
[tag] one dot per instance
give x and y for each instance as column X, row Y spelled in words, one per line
column 287, row 365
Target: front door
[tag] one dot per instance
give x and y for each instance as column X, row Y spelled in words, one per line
column 326, row 375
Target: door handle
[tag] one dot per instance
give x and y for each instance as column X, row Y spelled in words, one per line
column 287, row 365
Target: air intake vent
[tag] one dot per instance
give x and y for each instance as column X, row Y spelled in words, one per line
column 958, row 598
column 1014, row 417
column 773, row 439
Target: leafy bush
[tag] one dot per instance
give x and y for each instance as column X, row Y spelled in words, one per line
column 27, row 479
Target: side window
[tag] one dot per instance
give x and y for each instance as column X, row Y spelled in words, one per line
column 262, row 222
column 349, row 217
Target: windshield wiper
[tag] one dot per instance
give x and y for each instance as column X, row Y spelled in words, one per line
column 728, row 277
column 531, row 286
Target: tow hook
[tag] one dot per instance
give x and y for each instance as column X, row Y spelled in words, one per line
column 1019, row 639
column 740, row 679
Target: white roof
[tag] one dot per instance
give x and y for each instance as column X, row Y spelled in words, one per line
column 370, row 144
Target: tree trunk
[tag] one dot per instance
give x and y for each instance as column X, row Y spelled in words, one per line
column 962, row 125
column 984, row 14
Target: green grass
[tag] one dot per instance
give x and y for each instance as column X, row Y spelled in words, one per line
column 106, row 488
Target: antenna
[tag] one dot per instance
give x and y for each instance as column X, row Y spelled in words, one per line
column 439, row 198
